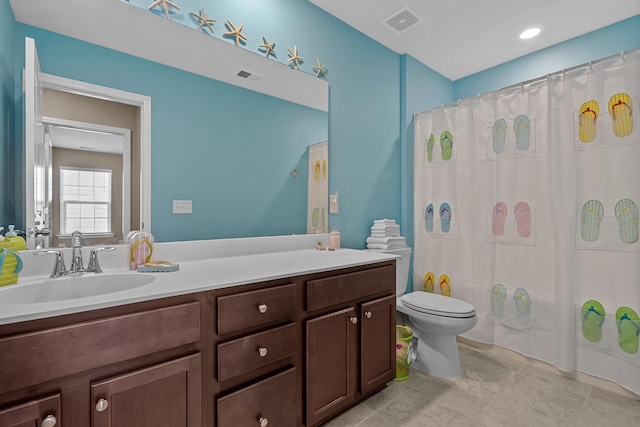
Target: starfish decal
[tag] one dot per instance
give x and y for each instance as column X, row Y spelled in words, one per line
column 203, row 20
column 294, row 57
column 269, row 47
column 235, row 32
column 319, row 69
column 165, row 6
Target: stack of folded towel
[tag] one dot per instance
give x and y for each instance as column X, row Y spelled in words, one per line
column 385, row 234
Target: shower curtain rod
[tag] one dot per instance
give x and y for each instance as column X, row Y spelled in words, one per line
column 541, row 78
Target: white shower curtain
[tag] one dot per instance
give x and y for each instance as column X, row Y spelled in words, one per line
column 526, row 206
column 318, row 188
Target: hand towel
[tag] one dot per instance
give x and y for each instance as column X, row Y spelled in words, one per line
column 384, row 222
column 385, row 227
column 385, row 234
column 386, row 240
column 386, row 246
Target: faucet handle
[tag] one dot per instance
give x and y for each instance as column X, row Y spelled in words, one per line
column 94, row 265
column 59, row 269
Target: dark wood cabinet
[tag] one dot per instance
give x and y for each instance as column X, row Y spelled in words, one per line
column 290, row 352
column 332, row 363
column 165, row 395
column 33, row 413
column 377, row 343
column 350, row 352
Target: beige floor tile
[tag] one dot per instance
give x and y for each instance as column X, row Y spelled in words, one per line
column 383, row 398
column 614, row 399
column 600, row 413
column 410, row 413
column 481, row 367
column 415, row 378
column 376, row 421
column 541, row 406
column 533, row 378
column 352, row 417
column 462, row 395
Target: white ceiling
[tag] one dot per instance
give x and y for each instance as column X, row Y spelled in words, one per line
column 461, row 37
column 85, row 140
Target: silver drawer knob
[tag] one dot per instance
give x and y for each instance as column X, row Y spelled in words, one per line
column 49, row 421
column 354, row 320
column 263, row 422
column 367, row 314
column 262, row 351
column 102, row 405
column 262, row 308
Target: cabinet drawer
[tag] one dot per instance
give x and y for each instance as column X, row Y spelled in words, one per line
column 274, row 399
column 249, row 309
column 243, row 355
column 95, row 344
column 32, row 413
column 334, row 290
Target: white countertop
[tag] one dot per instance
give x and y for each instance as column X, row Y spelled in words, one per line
column 195, row 276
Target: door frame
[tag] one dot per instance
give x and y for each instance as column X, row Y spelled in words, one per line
column 143, row 102
column 123, row 133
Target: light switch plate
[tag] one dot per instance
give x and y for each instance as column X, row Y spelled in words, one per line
column 182, row 207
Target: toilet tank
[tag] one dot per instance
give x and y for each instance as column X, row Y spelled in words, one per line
column 402, row 266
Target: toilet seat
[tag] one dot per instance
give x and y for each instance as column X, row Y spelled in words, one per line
column 438, row 305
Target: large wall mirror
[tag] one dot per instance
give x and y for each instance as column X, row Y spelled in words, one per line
column 246, row 170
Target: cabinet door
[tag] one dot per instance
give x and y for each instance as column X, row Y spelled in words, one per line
column 32, row 414
column 165, row 395
column 332, row 363
column 377, row 342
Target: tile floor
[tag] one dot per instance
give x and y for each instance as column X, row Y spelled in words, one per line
column 495, row 390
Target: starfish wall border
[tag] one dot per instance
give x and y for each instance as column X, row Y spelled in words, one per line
column 267, row 48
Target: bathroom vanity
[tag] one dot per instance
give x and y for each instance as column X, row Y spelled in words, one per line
column 287, row 338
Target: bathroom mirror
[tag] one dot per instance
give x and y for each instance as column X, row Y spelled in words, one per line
column 279, row 83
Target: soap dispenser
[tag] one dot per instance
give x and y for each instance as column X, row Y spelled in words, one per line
column 17, row 242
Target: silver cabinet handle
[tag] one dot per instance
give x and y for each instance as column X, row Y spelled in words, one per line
column 367, row 314
column 262, row 308
column 263, row 421
column 102, row 405
column 354, row 320
column 49, row 421
column 262, row 351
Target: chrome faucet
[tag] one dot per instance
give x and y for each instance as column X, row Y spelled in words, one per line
column 76, row 258
column 77, row 267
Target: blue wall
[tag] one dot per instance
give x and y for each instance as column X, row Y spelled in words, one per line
column 212, row 143
column 233, row 199
column 615, row 38
column 364, row 102
column 7, row 114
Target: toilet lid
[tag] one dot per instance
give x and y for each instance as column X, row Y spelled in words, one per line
column 429, row 303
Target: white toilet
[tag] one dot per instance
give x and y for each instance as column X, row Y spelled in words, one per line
column 435, row 321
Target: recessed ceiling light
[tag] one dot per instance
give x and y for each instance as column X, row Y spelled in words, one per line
column 531, row 32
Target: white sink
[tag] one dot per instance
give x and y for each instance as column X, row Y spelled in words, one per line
column 68, row 288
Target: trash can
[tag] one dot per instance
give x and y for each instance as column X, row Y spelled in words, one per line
column 404, row 336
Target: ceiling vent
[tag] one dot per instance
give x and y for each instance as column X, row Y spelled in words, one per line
column 402, row 20
column 249, row 76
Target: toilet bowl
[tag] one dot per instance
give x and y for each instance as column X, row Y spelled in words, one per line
column 435, row 321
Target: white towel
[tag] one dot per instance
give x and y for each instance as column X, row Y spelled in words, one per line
column 385, row 234
column 384, row 222
column 385, row 228
column 386, row 240
column 387, row 246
